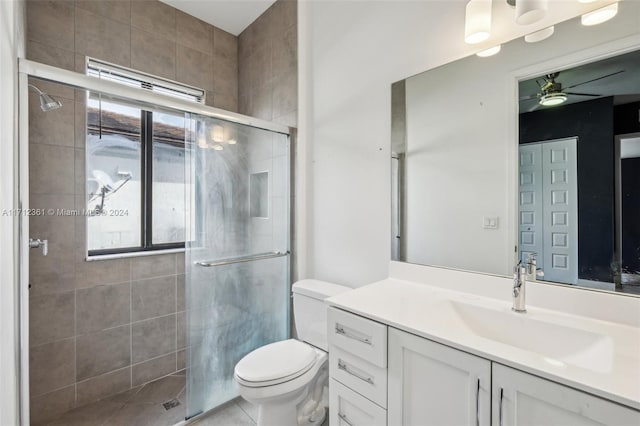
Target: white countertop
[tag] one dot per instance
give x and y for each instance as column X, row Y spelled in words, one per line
column 421, row 309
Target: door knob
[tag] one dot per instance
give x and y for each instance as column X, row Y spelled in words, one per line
column 38, row 243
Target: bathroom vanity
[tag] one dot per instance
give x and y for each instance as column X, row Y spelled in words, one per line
column 409, row 353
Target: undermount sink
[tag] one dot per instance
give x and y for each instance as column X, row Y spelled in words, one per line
column 559, row 344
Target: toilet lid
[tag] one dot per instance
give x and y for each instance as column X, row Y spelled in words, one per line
column 275, row 361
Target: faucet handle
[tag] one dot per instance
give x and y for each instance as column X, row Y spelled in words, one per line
column 539, row 272
column 531, row 257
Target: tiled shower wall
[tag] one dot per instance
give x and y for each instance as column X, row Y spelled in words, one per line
column 268, row 80
column 98, row 328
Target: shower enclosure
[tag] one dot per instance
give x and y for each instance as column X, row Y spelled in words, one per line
column 234, row 202
column 237, row 259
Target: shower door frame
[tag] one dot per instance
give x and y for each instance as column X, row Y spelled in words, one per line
column 28, row 68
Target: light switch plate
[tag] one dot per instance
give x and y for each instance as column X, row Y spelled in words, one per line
column 490, row 222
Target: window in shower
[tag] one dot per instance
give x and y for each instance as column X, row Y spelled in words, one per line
column 135, row 167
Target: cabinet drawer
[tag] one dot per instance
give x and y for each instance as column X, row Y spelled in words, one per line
column 358, row 336
column 363, row 377
column 347, row 408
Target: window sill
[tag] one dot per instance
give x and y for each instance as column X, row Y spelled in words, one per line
column 133, row 254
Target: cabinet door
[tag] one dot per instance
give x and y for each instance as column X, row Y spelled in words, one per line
column 523, row 399
column 433, row 384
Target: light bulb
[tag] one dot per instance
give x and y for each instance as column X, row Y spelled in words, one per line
column 539, row 35
column 530, row 11
column 599, row 16
column 477, row 26
column 489, row 52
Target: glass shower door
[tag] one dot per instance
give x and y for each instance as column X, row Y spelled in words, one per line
column 237, row 258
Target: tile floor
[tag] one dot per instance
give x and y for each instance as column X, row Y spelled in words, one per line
column 142, row 406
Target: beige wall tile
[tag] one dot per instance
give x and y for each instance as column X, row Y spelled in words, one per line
column 120, row 10
column 181, row 362
column 154, row 17
column 285, row 95
column 285, row 53
column 181, row 330
column 80, row 125
column 153, row 54
column 194, row 67
column 225, row 101
column 104, row 306
column 102, row 352
column 260, row 69
column 153, row 266
column 89, row 274
column 225, row 45
column 51, row 318
column 102, row 386
column 54, row 56
column 225, row 77
column 55, row 127
column 154, row 337
column 284, row 14
column 180, row 293
column 51, row 23
column 153, row 297
column 153, row 369
column 194, row 33
column 47, row 407
column 51, row 366
column 50, row 169
column 102, row 38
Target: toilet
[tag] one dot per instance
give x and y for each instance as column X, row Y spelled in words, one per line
column 286, row 380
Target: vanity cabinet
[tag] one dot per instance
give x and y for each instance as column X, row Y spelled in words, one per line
column 523, row 399
column 358, row 370
column 433, row 384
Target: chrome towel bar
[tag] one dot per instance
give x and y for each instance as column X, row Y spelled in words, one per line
column 242, row 259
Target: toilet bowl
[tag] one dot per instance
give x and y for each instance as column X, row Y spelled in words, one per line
column 286, row 380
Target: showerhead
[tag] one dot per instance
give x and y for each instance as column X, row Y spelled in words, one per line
column 47, row 102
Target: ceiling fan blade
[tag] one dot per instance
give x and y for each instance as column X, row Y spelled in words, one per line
column 534, row 108
column 581, row 94
column 530, row 97
column 595, row 79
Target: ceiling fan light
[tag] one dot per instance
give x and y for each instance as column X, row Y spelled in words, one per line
column 539, row 35
column 530, row 11
column 477, row 25
column 489, row 52
column 599, row 16
column 553, row 99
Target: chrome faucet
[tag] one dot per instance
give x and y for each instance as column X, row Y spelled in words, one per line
column 519, row 283
column 533, row 272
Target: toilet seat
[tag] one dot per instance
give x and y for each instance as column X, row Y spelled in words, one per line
column 275, row 363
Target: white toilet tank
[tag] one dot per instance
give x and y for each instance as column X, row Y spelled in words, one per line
column 310, row 311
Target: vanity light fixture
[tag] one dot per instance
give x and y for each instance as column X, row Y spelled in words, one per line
column 218, row 147
column 539, row 35
column 601, row 15
column 232, row 141
column 477, row 25
column 552, row 99
column 530, row 11
column 489, row 52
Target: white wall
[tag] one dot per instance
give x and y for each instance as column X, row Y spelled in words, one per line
column 353, row 51
column 11, row 46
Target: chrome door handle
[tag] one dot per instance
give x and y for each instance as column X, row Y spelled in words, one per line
column 340, row 330
column 344, row 418
column 38, row 243
column 500, row 407
column 343, row 366
column 478, row 404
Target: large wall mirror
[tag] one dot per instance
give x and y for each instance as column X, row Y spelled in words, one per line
column 484, row 174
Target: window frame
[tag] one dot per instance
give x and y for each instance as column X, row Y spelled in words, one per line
column 147, row 82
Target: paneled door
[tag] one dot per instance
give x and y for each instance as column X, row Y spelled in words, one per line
column 548, row 222
column 434, row 385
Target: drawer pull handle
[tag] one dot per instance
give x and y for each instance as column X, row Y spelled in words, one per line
column 343, row 366
column 344, row 418
column 340, row 330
